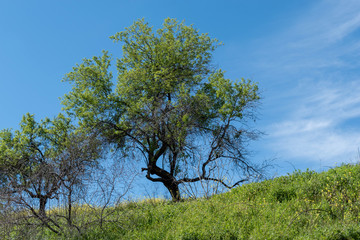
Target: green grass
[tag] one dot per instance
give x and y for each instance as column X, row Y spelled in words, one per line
column 303, row 205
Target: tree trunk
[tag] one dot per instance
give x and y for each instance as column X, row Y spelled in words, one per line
column 42, row 204
column 174, row 190
column 69, row 208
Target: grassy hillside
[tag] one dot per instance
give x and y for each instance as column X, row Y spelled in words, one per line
column 303, row 205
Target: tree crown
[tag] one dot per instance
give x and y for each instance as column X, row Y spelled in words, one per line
column 167, row 97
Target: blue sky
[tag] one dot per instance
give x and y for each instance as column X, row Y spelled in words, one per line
column 304, row 55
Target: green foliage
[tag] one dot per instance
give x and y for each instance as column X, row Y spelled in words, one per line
column 167, row 97
column 91, row 96
column 25, row 152
column 42, row 161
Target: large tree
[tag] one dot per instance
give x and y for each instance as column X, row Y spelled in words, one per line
column 170, row 106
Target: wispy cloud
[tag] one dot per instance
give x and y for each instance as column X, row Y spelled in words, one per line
column 319, row 39
column 327, row 23
column 316, row 60
column 318, row 126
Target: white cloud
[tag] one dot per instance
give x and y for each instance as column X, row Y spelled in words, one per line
column 326, row 23
column 325, row 145
column 310, row 76
column 317, row 97
column 316, row 128
column 336, row 103
column 301, row 126
column 321, row 38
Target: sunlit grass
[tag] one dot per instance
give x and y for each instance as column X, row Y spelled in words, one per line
column 302, row 205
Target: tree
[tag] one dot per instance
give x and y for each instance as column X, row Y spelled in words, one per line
column 44, row 161
column 170, row 106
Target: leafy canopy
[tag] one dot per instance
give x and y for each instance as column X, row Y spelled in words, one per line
column 35, row 144
column 167, row 97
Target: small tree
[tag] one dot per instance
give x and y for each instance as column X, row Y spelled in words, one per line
column 170, row 107
column 40, row 162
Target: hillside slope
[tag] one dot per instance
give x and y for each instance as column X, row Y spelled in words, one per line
column 302, row 205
